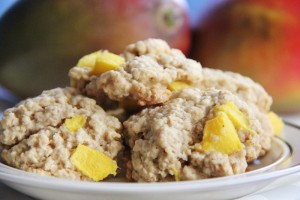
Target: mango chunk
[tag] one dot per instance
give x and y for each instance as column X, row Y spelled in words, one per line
column 178, row 85
column 107, row 61
column 88, row 60
column 239, row 120
column 75, row 123
column 101, row 62
column 93, row 163
column 277, row 123
column 220, row 135
column 176, row 174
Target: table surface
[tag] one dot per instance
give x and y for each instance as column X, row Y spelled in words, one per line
column 287, row 192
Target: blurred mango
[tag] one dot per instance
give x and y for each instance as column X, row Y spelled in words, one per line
column 257, row 38
column 42, row 39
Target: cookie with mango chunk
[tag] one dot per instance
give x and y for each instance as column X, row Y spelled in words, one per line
column 196, row 134
column 43, row 134
column 146, row 73
column 88, row 68
column 150, row 77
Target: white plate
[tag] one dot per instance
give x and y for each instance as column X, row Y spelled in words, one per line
column 277, row 164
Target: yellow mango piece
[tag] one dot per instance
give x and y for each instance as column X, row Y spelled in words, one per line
column 178, row 85
column 107, row 61
column 239, row 120
column 220, row 135
column 75, row 123
column 277, row 123
column 101, row 62
column 88, row 60
column 176, row 174
column 93, row 163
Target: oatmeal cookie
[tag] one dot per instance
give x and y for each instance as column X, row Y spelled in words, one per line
column 145, row 79
column 165, row 141
column 244, row 87
column 39, row 134
column 150, row 66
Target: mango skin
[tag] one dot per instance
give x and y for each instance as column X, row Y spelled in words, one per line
column 220, row 135
column 259, row 39
column 42, row 40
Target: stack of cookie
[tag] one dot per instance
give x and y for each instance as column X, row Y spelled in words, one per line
column 175, row 119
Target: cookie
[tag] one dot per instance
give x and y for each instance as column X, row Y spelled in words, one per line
column 40, row 134
column 150, row 67
column 167, row 141
column 244, row 87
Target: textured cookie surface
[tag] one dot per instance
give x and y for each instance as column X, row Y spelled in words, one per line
column 166, row 140
column 150, row 66
column 244, row 87
column 40, row 134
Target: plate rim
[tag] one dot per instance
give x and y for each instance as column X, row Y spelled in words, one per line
column 200, row 185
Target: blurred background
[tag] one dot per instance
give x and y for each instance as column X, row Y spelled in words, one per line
column 41, row 39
